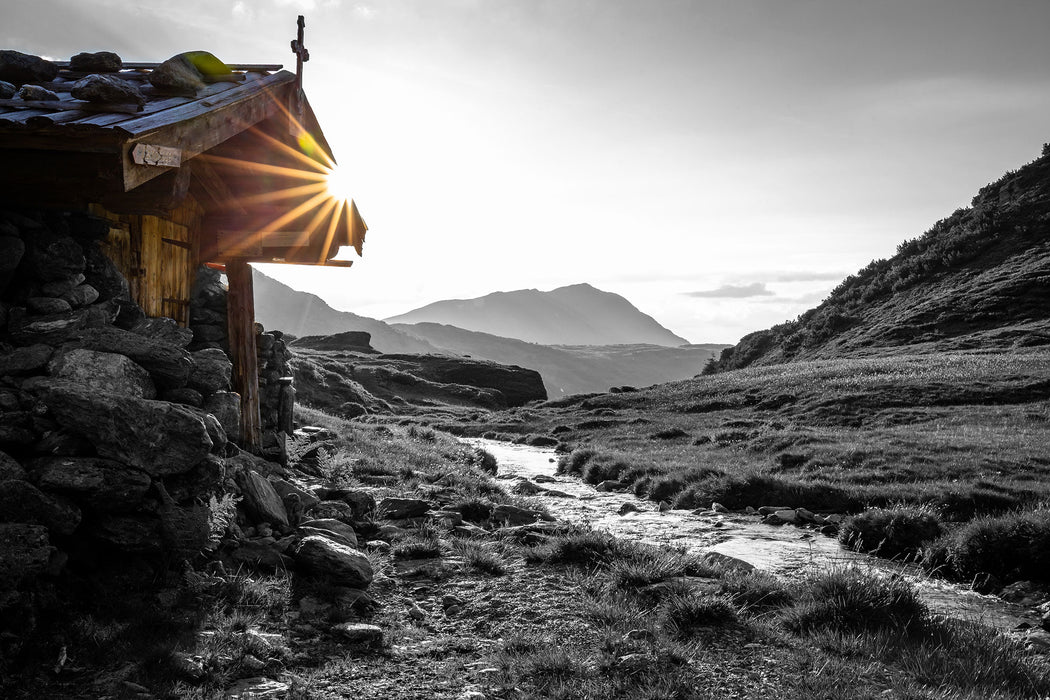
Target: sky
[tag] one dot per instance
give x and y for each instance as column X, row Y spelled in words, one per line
column 723, row 164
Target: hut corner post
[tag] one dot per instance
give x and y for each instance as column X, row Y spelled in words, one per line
column 241, row 325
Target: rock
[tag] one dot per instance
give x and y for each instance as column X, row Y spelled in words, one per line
column 769, row 510
column 211, row 371
column 24, row 551
column 21, row 502
column 663, row 506
column 81, row 295
column 359, row 633
column 7, row 91
column 260, row 499
column 468, row 530
column 99, row 483
column 159, row 438
column 259, row 554
column 335, row 510
column 47, row 305
column 226, row 407
column 257, row 688
column 609, row 485
column 787, row 516
column 724, row 561
column 545, row 479
column 165, row 330
column 107, row 89
column 188, row 397
column 361, row 503
column 55, row 257
column 98, row 62
column 183, row 74
column 20, row 68
column 11, row 251
column 10, row 469
column 284, row 488
column 541, row 441
column 103, row 371
column 628, row 507
column 398, row 508
column 169, row 366
column 526, row 487
column 719, row 508
column 23, row 361
column 343, row 565
column 513, row 515
column 333, row 529
column 772, row 519
column 63, row 286
column 134, row 534
column 35, row 93
column 104, row 276
column 1038, row 640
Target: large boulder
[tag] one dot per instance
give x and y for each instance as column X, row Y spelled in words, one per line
column 107, row 88
column 211, row 371
column 260, row 499
column 24, row 551
column 103, row 371
column 21, row 502
column 331, row 528
column 101, row 484
column 341, row 564
column 158, row 437
column 169, row 365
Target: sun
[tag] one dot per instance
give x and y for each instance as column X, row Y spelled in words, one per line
column 337, row 181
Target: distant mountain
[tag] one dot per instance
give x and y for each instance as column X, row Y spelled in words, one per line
column 573, row 369
column 279, row 307
column 978, row 279
column 575, row 315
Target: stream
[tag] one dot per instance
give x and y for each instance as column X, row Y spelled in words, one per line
column 784, row 551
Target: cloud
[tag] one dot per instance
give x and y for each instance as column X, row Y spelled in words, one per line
column 733, row 291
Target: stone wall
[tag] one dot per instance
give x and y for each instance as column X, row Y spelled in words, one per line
column 113, row 426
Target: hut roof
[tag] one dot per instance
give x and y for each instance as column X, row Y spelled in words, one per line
column 134, row 157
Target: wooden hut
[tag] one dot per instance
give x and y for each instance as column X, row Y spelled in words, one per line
column 228, row 174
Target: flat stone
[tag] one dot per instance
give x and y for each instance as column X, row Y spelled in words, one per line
column 359, row 633
column 103, row 371
column 166, row 330
column 183, row 74
column 18, row 68
column 788, row 515
column 513, row 515
column 332, row 529
column 47, row 305
column 100, row 483
column 7, row 90
column 257, row 688
column 158, row 437
column 97, row 62
column 107, row 89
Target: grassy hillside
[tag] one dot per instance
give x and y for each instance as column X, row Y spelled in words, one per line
column 573, row 369
column 978, row 279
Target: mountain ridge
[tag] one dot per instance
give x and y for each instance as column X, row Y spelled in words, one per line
column 576, row 314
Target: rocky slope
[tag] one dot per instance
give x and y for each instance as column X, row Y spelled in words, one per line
column 573, row 369
column 575, row 315
column 978, row 279
column 342, row 374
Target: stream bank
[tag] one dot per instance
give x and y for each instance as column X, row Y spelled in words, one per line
column 785, row 551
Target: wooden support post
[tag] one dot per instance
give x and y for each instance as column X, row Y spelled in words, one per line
column 241, row 325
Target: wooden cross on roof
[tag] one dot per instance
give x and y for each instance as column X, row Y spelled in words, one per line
column 302, row 55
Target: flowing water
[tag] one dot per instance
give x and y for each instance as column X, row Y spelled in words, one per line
column 785, row 551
